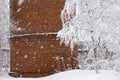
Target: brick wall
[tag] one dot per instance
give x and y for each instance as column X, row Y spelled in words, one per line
column 34, row 50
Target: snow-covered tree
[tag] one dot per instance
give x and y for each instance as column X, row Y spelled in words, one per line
column 96, row 21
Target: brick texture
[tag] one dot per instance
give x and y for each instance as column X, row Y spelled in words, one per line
column 38, row 55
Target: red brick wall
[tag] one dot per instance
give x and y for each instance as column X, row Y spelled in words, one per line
column 37, row 15
column 38, row 55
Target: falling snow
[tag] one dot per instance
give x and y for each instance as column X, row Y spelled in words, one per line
column 72, row 27
column 20, row 2
column 25, row 56
column 42, row 47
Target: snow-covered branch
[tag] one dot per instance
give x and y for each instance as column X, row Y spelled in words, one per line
column 83, row 19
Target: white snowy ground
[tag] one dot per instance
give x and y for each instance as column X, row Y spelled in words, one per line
column 73, row 75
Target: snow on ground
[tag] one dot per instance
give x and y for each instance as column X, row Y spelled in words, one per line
column 73, row 75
